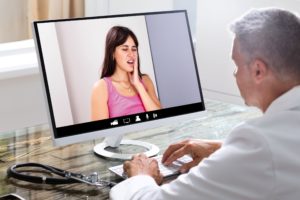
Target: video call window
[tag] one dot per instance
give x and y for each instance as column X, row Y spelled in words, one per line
column 73, row 52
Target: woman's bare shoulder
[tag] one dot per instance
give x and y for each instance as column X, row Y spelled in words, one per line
column 100, row 86
column 146, row 78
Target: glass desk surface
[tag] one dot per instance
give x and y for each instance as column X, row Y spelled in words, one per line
column 34, row 144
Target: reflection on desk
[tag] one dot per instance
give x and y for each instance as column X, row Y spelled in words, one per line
column 34, row 144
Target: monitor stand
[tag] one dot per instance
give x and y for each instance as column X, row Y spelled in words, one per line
column 115, row 142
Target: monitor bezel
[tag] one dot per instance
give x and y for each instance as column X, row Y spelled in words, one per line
column 86, row 131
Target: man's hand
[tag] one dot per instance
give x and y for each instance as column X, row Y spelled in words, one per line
column 141, row 164
column 197, row 149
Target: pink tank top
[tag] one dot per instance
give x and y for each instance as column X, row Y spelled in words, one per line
column 119, row 105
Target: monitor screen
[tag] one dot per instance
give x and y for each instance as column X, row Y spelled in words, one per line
column 109, row 75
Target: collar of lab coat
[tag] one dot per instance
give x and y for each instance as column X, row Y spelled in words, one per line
column 287, row 101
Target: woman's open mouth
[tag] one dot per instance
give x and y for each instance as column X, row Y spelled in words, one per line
column 131, row 62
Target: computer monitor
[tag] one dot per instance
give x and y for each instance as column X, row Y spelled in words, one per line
column 86, row 92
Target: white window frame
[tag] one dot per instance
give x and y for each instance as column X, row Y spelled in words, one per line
column 18, row 59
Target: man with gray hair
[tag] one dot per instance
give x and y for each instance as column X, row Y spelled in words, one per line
column 259, row 159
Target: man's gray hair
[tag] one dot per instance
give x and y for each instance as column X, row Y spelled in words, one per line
column 272, row 35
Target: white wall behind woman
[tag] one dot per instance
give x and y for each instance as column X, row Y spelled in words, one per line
column 55, row 75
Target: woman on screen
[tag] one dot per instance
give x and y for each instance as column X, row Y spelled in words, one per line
column 122, row 89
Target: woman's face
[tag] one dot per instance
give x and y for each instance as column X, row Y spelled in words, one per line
column 126, row 55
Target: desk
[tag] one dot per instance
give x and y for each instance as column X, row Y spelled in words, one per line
column 34, row 144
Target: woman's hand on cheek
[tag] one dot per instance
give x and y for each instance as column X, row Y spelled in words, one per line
column 134, row 75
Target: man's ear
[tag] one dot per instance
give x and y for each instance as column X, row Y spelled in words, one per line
column 259, row 70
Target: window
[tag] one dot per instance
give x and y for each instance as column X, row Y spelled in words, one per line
column 16, row 15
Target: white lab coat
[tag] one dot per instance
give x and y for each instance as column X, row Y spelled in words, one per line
column 260, row 159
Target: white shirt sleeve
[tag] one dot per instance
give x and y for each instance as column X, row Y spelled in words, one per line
column 130, row 188
column 241, row 169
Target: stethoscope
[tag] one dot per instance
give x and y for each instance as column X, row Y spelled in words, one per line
column 67, row 177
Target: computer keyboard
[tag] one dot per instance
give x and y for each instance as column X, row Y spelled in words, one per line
column 166, row 171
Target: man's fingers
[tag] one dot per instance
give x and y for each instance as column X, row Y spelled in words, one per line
column 155, row 170
column 126, row 167
column 135, row 156
column 175, row 155
column 142, row 155
column 170, row 150
column 186, row 167
column 159, row 179
column 138, row 156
